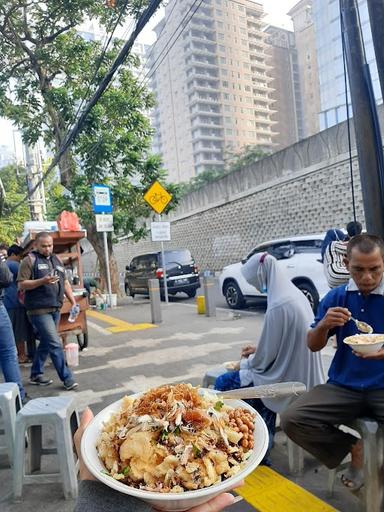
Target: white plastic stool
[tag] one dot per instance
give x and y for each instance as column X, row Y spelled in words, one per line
column 210, row 377
column 61, row 413
column 10, row 404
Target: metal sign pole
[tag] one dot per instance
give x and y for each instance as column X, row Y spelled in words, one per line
column 108, row 269
column 164, row 269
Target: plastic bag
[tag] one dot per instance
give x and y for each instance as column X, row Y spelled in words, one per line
column 68, row 221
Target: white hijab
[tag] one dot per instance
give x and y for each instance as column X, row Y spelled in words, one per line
column 282, row 354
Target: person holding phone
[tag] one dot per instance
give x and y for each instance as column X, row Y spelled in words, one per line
column 42, row 278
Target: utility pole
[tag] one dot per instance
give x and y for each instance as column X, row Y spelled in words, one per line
column 376, row 20
column 33, row 176
column 367, row 129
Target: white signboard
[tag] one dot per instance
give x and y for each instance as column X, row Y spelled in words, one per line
column 104, row 223
column 161, row 231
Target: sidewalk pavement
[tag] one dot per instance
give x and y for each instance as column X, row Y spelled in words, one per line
column 183, row 347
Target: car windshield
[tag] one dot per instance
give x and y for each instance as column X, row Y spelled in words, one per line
column 179, row 257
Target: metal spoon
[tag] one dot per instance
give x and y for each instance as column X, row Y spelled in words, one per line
column 362, row 326
column 281, row 389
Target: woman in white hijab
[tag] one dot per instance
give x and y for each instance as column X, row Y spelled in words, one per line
column 282, row 354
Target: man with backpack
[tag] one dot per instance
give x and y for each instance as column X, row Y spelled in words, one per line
column 335, row 254
column 43, row 280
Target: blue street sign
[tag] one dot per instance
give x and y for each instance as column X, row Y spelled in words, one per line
column 102, row 200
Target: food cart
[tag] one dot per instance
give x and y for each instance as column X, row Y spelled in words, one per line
column 66, row 244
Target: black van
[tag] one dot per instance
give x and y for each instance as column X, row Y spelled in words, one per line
column 182, row 273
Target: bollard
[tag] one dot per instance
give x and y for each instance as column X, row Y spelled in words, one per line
column 209, row 294
column 200, row 301
column 154, row 295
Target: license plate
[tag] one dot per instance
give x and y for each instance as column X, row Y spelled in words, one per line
column 181, row 281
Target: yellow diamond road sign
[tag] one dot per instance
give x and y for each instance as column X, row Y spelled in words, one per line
column 157, row 197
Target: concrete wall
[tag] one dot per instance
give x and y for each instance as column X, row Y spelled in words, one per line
column 305, row 188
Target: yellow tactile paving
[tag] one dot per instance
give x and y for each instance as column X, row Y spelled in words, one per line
column 117, row 324
column 268, row 491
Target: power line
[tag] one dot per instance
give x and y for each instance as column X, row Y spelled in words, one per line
column 142, row 21
column 141, row 86
column 158, row 39
column 104, row 51
column 152, row 70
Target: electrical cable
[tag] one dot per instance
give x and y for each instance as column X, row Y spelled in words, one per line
column 71, row 136
column 153, row 70
column 157, row 40
column 101, row 58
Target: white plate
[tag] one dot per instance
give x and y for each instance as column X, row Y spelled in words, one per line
column 170, row 502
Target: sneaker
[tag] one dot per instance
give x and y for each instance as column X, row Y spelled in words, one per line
column 40, row 381
column 26, row 399
column 70, row 384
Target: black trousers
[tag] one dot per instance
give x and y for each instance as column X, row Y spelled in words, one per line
column 311, row 421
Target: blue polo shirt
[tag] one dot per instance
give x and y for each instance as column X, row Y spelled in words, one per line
column 346, row 369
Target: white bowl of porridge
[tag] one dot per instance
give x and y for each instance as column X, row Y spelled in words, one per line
column 365, row 343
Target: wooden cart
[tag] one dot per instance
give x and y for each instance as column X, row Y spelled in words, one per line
column 66, row 244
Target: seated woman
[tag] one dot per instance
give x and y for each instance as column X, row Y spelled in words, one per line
column 282, row 354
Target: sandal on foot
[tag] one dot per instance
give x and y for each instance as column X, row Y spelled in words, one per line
column 353, row 478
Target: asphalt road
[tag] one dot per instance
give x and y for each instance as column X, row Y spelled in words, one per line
column 256, row 305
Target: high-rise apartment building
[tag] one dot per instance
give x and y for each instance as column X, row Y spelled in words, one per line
column 287, row 105
column 326, row 17
column 305, row 39
column 212, row 89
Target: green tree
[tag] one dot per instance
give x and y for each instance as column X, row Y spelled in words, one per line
column 248, row 155
column 46, row 68
column 234, row 162
column 12, row 191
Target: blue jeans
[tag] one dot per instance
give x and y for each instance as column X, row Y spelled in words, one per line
column 8, row 354
column 50, row 343
column 231, row 380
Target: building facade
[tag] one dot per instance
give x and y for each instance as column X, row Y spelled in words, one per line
column 326, row 17
column 305, row 39
column 283, row 60
column 212, row 88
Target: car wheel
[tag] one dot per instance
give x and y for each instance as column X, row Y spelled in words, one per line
column 233, row 295
column 128, row 291
column 191, row 294
column 311, row 293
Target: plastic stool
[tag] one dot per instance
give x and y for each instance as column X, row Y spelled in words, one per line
column 210, row 377
column 61, row 413
column 10, row 404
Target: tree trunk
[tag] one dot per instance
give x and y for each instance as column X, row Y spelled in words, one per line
column 96, row 240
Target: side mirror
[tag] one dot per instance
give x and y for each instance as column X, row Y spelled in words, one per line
column 289, row 253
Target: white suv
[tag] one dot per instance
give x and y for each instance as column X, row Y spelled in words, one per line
column 300, row 257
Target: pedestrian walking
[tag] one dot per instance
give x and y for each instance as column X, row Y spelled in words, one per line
column 8, row 354
column 22, row 329
column 42, row 278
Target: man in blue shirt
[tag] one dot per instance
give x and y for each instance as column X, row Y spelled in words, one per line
column 355, row 387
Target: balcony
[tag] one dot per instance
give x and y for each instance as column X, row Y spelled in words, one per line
column 200, row 49
column 202, row 27
column 206, row 134
column 203, row 86
column 205, row 99
column 200, row 121
column 202, row 37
